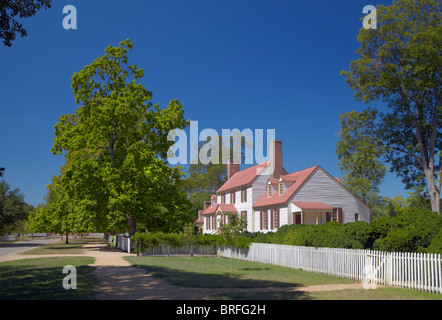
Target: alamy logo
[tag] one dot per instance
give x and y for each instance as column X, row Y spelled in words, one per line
column 370, row 20
column 246, row 145
column 70, row 21
column 70, row 281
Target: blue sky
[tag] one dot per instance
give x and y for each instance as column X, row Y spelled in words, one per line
column 258, row 64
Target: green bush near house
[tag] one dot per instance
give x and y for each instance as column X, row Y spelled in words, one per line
column 436, row 244
column 147, row 240
column 413, row 230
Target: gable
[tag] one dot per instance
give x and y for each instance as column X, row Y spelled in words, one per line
column 321, row 186
column 298, row 177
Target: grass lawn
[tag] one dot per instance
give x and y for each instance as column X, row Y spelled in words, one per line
column 214, row 272
column 42, row 279
column 385, row 293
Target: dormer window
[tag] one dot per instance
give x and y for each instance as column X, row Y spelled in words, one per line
column 269, row 190
column 232, row 197
column 281, row 188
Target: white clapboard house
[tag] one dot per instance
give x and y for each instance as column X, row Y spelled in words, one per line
column 268, row 197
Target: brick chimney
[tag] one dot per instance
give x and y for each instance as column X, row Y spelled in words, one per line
column 276, row 157
column 207, row 204
column 232, row 168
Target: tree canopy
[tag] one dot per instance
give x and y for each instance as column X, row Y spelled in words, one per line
column 13, row 207
column 399, row 65
column 115, row 146
column 359, row 155
column 10, row 9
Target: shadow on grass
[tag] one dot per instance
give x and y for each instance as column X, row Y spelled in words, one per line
column 236, row 279
column 259, row 295
column 38, row 279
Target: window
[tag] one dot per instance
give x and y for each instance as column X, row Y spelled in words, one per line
column 244, row 215
column 269, row 190
column 356, row 216
column 232, row 197
column 264, row 220
column 243, row 195
column 334, row 214
column 281, row 188
column 223, row 198
column 275, row 219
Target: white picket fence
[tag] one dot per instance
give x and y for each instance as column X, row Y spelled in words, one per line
column 121, row 241
column 419, row 271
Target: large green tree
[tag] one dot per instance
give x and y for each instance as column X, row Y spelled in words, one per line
column 359, row 155
column 203, row 179
column 13, row 207
column 115, row 145
column 399, row 65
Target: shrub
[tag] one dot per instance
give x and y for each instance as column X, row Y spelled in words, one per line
column 436, row 244
column 243, row 242
column 356, row 235
column 263, row 237
column 397, row 240
column 379, row 228
column 411, row 231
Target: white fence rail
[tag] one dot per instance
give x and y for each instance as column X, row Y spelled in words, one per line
column 164, row 250
column 419, row 271
column 121, row 241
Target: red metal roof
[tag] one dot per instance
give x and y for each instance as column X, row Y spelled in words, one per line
column 306, row 205
column 300, row 177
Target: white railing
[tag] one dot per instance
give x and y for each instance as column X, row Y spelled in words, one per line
column 121, row 241
column 419, row 271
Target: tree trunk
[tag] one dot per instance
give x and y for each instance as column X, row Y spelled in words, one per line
column 435, row 200
column 132, row 228
column 433, row 190
column 67, row 237
column 132, row 225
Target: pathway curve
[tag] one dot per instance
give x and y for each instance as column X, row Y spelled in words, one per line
column 118, row 280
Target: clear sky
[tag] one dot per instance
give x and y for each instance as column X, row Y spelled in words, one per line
column 258, row 64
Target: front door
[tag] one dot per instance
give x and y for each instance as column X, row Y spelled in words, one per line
column 297, row 218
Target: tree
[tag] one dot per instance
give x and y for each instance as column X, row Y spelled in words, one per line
column 13, row 207
column 400, row 64
column 189, row 236
column 57, row 214
column 115, row 147
column 9, row 9
column 205, row 178
column 231, row 231
column 202, row 181
column 2, row 172
column 359, row 155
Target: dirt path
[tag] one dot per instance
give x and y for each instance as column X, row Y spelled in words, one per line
column 118, row 280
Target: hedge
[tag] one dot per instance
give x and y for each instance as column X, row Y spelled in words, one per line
column 146, row 240
column 414, row 230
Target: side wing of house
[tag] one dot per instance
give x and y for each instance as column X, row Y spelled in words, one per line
column 321, row 187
